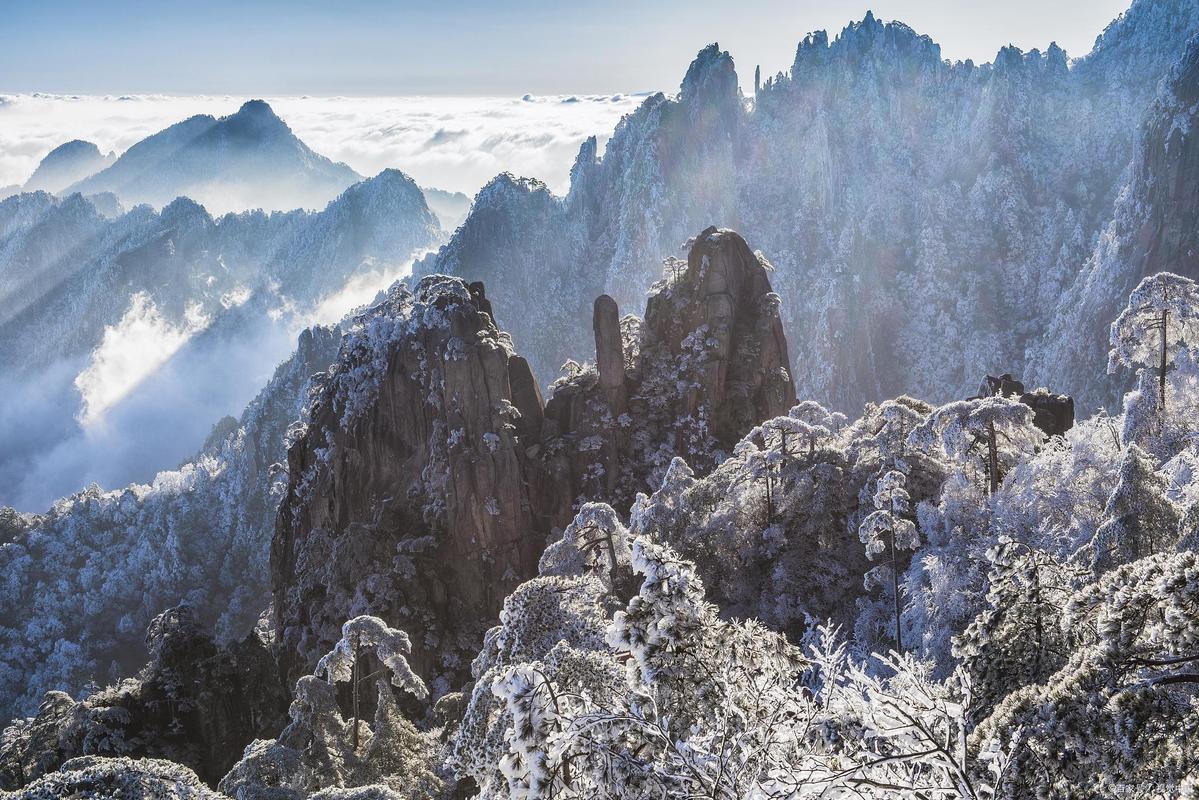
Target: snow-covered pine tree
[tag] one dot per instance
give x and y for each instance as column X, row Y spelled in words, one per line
column 886, row 532
column 1139, row 519
column 1162, row 316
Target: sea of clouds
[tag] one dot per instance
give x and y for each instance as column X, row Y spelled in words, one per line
column 453, row 143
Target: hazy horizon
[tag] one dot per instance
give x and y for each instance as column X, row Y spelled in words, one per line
column 451, row 143
column 453, row 133
column 364, row 48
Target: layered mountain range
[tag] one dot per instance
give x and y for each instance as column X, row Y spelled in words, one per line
column 670, row 571
column 927, row 220
column 97, row 310
column 249, row 159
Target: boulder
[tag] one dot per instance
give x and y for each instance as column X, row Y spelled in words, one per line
column 1052, row 413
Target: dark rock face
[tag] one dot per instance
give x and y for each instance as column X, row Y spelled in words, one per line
column 430, row 476
column 408, row 496
column 707, row 364
column 1003, row 386
column 1052, row 413
column 609, row 352
column 725, row 292
column 195, row 703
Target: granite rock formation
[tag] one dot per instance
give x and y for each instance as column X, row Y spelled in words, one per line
column 430, row 476
column 408, row 496
column 707, row 364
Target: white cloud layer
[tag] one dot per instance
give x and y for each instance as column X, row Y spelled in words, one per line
column 130, row 352
column 454, row 143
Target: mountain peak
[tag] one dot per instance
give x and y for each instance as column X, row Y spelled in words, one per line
column 391, row 176
column 74, row 148
column 67, row 163
column 260, row 107
column 710, row 78
column 391, row 183
column 184, row 212
column 506, row 187
column 255, row 118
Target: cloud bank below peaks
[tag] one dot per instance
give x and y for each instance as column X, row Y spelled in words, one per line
column 454, row 143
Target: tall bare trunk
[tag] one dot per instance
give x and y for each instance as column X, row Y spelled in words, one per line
column 895, row 587
column 1161, row 371
column 355, row 678
column 992, row 458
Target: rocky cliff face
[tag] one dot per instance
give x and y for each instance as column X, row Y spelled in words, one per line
column 430, row 475
column 925, row 217
column 408, row 496
column 510, row 210
column 1155, row 228
column 708, row 363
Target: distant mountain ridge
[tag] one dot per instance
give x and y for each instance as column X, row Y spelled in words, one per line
column 67, row 164
column 76, row 285
column 250, row 159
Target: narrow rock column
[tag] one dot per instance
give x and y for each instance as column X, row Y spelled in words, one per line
column 526, row 396
column 609, row 352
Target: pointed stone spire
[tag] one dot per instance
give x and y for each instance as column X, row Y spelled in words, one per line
column 609, row 352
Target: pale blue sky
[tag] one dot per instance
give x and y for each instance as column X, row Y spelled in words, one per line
column 367, row 47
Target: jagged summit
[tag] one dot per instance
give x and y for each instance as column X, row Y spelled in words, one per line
column 254, row 122
column 867, row 41
column 711, row 79
column 66, row 164
column 429, row 381
column 877, row 175
column 245, row 160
